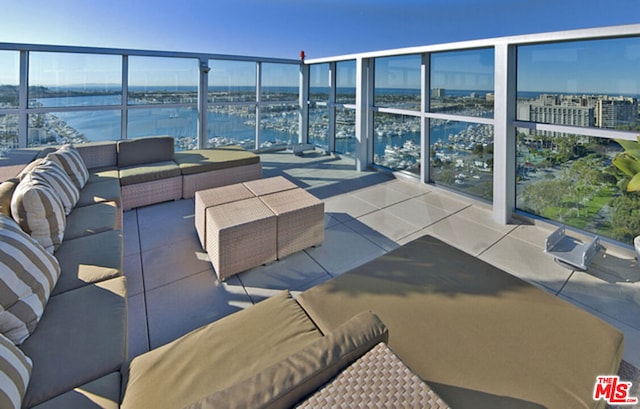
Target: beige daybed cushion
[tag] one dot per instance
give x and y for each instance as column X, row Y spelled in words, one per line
column 218, row 355
column 287, row 382
column 204, row 160
column 480, row 337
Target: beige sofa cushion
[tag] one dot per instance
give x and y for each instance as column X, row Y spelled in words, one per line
column 39, row 212
column 300, row 374
column 148, row 172
column 72, row 163
column 27, row 276
column 204, row 160
column 103, row 393
column 81, row 337
column 145, row 150
column 98, row 192
column 218, row 355
column 92, row 219
column 53, row 174
column 6, row 192
column 15, row 370
column 478, row 336
column 89, row 259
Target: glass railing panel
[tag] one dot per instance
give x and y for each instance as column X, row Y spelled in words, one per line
column 462, row 82
column 397, row 82
column 68, row 79
column 346, row 132
column 9, row 78
column 8, row 132
column 181, row 123
column 163, row 80
column 571, row 179
column 231, row 125
column 580, row 83
column 57, row 128
column 280, row 82
column 346, row 82
column 396, row 143
column 232, row 81
column 280, row 125
column 461, row 156
column 319, row 125
column 319, row 82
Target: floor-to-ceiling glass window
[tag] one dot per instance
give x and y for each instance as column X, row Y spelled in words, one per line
column 9, row 83
column 89, row 85
column 319, row 105
column 280, row 109
column 461, row 149
column 168, row 88
column 231, row 113
column 573, row 177
column 396, row 142
column 345, row 129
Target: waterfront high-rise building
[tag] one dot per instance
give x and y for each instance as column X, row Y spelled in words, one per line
column 614, row 112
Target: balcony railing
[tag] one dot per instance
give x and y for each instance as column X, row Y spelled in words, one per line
column 525, row 123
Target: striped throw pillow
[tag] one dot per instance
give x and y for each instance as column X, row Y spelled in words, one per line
column 39, row 212
column 15, row 371
column 69, row 158
column 28, row 274
column 53, row 174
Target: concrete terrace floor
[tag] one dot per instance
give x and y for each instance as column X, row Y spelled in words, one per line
column 173, row 288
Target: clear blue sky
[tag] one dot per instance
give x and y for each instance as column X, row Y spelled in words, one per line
column 281, row 28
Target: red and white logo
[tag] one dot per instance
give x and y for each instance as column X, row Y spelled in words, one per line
column 614, row 391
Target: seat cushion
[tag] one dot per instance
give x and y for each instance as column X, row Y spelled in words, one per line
column 15, row 371
column 480, row 337
column 28, row 274
column 97, row 192
column 148, row 172
column 286, row 382
column 92, row 219
column 39, row 212
column 204, row 160
column 145, row 150
column 81, row 337
column 89, row 259
column 52, row 173
column 72, row 163
column 103, row 393
column 218, row 355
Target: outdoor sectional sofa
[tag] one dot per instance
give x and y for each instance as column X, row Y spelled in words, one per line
column 476, row 335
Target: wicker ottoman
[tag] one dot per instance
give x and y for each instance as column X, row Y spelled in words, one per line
column 240, row 235
column 215, row 197
column 261, row 187
column 300, row 220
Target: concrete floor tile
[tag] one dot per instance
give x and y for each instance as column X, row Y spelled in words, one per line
column 528, row 262
column 387, row 224
column 182, row 306
column 381, row 196
column 347, row 207
column 132, row 266
column 418, row 212
column 464, row 234
column 138, row 336
column 173, row 261
column 343, row 249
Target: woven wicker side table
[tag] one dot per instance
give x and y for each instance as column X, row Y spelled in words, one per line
column 261, row 187
column 300, row 220
column 378, row 379
column 214, row 197
column 240, row 235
